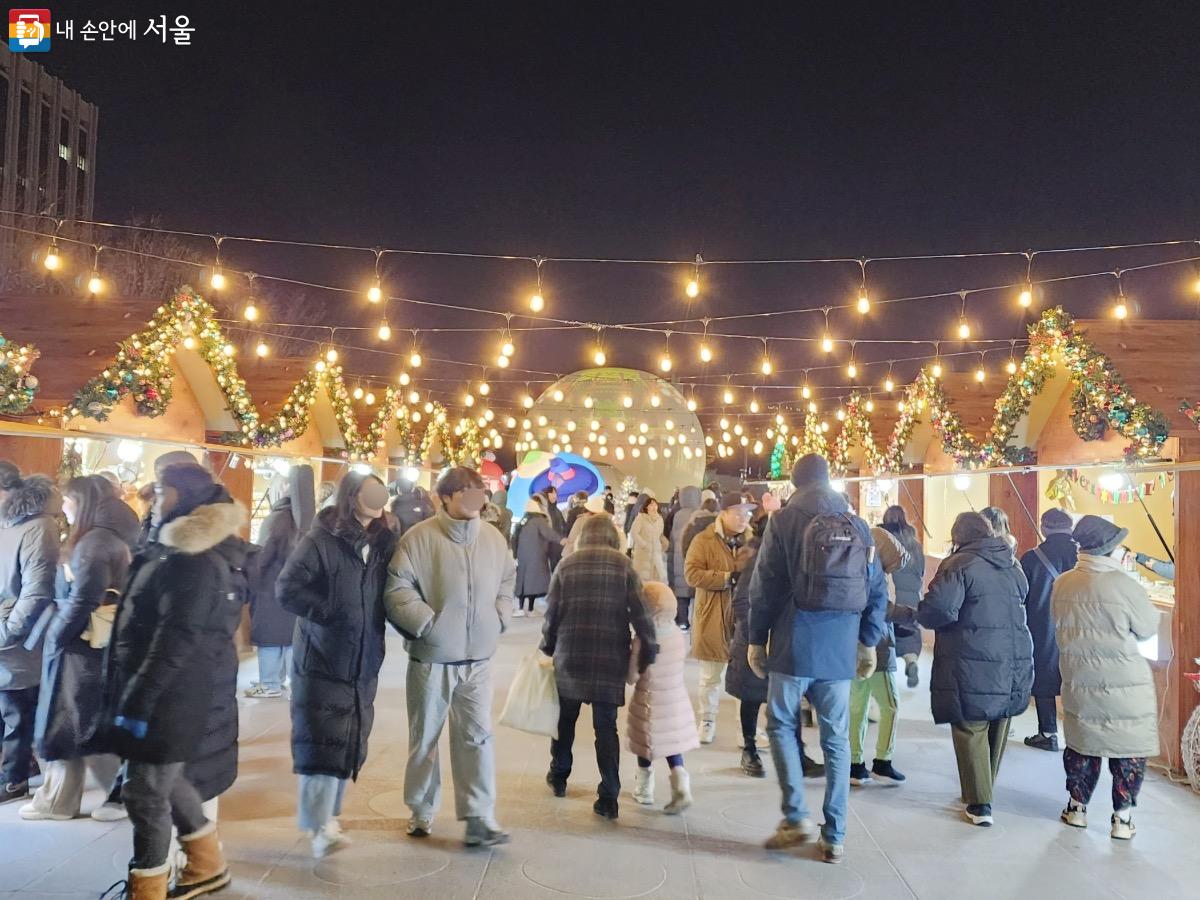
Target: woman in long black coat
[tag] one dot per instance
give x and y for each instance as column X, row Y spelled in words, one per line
column 534, row 542
column 334, row 582
column 271, row 626
column 70, row 703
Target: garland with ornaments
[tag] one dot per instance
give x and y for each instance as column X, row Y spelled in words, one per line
column 17, row 384
column 1100, row 400
column 143, row 369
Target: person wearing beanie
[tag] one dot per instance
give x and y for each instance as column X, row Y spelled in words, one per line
column 1042, row 565
column 173, row 630
column 1110, row 706
column 818, row 635
column 982, row 654
column 596, row 505
column 660, row 722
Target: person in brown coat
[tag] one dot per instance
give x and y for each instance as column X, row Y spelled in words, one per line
column 714, row 561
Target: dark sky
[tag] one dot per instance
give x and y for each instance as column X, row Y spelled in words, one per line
column 655, row 130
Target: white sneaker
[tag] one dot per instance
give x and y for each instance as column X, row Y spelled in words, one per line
column 792, row 834
column 708, row 731
column 1123, row 828
column 643, row 786
column 328, row 839
column 519, row 614
column 30, row 813
column 419, row 827
column 262, row 692
column 1074, row 815
column 110, row 812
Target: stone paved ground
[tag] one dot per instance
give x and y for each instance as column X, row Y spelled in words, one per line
column 902, row 842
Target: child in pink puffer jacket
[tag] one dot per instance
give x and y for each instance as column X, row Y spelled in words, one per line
column 661, row 722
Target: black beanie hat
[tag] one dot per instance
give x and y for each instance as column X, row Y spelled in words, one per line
column 810, row 469
column 194, row 486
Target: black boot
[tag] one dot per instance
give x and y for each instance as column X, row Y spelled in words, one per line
column 812, row 768
column 752, row 763
column 557, row 784
column 606, row 807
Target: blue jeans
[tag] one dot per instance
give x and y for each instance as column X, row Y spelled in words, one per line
column 273, row 666
column 320, row 800
column 831, row 702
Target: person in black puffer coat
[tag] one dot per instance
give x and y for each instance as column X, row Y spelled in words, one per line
column 272, row 626
column 740, row 680
column 982, row 654
column 95, row 562
column 172, row 638
column 333, row 582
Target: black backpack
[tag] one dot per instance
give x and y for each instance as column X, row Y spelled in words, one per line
column 836, row 560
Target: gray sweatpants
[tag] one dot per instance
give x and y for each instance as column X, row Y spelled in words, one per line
column 464, row 693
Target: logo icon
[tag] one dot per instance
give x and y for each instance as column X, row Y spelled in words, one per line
column 29, row 30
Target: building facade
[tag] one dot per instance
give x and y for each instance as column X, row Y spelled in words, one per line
column 48, row 137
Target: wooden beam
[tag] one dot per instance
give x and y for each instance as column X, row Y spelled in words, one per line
column 910, row 496
column 1181, row 696
column 1017, row 495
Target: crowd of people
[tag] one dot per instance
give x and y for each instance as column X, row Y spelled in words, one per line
column 117, row 650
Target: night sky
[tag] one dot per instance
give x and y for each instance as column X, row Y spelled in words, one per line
column 638, row 131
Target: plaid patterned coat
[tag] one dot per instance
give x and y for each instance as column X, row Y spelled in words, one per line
column 595, row 598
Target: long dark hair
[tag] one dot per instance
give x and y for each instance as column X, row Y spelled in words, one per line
column 88, row 492
column 345, row 518
column 896, row 521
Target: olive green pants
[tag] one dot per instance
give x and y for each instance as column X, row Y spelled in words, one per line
column 979, row 747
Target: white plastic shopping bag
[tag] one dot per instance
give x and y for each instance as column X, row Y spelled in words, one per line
column 532, row 703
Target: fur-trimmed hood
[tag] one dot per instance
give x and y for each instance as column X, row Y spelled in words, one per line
column 31, row 498
column 204, row 527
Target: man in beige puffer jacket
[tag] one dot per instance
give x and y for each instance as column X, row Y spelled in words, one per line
column 450, row 593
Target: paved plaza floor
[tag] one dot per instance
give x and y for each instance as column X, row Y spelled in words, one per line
column 902, row 842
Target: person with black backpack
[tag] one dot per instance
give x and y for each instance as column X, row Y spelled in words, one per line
column 819, row 597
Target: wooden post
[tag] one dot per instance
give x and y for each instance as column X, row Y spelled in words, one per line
column 910, row 496
column 1018, row 498
column 1185, row 630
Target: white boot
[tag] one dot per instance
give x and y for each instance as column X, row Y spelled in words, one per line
column 681, row 792
column 643, row 786
column 708, row 731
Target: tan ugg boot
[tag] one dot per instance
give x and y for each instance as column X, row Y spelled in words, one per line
column 206, row 871
column 149, row 884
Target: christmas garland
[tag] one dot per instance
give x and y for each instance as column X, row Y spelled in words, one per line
column 856, row 430
column 17, row 384
column 813, row 438
column 1100, row 400
column 780, row 465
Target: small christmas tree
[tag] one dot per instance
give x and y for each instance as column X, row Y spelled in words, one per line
column 779, row 460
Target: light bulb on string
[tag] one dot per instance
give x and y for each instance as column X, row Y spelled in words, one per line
column 385, row 331
column 664, row 362
column 691, row 404
column 826, row 340
column 870, row 405
column 588, row 402
column 936, row 369
column 706, row 354
column 765, row 366
column 331, row 356
column 262, row 349
column 727, row 397
column 1025, row 298
column 864, row 300
column 414, row 358
column 404, row 379
column 527, row 402
column 358, row 393
column 964, row 330
column 484, row 389
column 502, row 362
column 627, row 402
column 889, row 383
column 655, row 401
column 95, row 284
column 980, row 373
column 52, row 261
column 693, row 286
column 507, row 348
column 599, row 357
column 250, row 312
column 537, row 302
column 369, row 399
column 1121, row 308
column 754, row 407
column 217, row 281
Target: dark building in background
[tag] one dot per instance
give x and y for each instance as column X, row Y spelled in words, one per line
column 48, row 136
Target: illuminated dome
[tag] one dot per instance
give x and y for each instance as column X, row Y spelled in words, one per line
column 643, row 426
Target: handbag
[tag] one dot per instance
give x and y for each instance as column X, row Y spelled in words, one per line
column 532, row 703
column 98, row 634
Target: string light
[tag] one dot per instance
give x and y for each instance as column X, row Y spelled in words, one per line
column 691, row 404
column 864, row 301
column 826, row 340
column 385, row 331
column 217, row 282
column 588, row 402
column 536, row 301
column 599, row 357
column 655, row 401
column 852, row 367
column 765, row 366
column 964, row 328
column 889, row 384
column 980, row 373
column 727, row 397
column 693, row 285
column 404, row 379
column 414, row 358
column 375, row 291
column 527, row 402
column 262, row 349
column 95, row 283
column 484, row 389
column 627, row 402
column 870, row 405
column 806, row 391
column 331, row 356
column 250, row 313
column 1025, row 298
column 1121, row 309
column 664, row 362
column 1011, row 367
column 52, row 260
column 753, row 404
